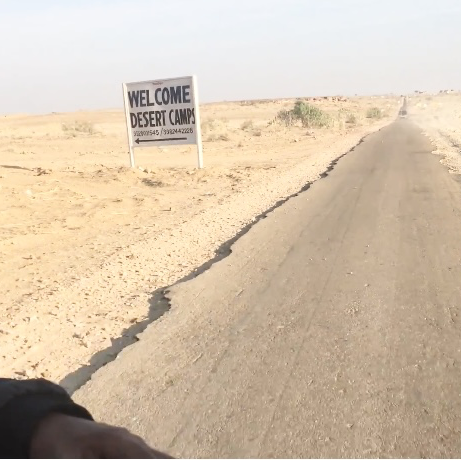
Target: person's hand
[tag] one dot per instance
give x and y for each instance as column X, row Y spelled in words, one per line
column 63, row 436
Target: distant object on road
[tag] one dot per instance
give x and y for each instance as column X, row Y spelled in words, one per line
column 403, row 109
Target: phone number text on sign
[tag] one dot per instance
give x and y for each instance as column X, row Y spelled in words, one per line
column 163, row 132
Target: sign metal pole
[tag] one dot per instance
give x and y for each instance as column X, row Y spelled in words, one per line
column 128, row 130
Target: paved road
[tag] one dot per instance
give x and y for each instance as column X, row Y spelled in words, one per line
column 333, row 329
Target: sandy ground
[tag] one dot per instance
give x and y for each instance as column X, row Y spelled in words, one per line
column 440, row 118
column 86, row 243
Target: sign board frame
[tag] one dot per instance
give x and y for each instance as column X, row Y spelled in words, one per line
column 197, row 124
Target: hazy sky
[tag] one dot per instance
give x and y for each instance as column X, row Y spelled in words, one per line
column 74, row 54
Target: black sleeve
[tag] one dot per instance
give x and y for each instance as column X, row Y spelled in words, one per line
column 23, row 404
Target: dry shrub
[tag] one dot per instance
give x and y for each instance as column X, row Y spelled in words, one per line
column 246, row 125
column 82, row 127
column 351, row 119
column 208, row 125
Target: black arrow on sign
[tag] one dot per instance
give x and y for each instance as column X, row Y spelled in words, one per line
column 161, row 140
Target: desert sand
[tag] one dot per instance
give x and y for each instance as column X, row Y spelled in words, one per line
column 439, row 116
column 87, row 245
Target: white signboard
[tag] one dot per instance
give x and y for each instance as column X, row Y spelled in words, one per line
column 162, row 112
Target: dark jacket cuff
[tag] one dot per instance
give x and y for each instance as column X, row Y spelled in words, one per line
column 21, row 415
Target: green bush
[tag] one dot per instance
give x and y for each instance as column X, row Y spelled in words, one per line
column 309, row 116
column 374, row 112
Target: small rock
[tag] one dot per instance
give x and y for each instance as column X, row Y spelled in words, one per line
column 25, row 373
